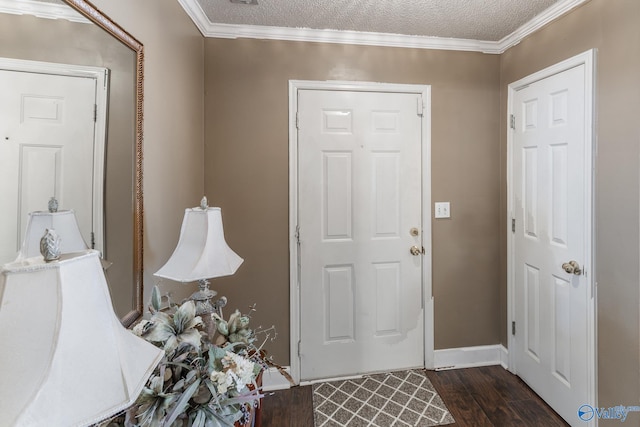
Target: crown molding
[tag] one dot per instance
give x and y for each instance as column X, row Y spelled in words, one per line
column 229, row 31
column 552, row 13
column 41, row 10
column 232, row 31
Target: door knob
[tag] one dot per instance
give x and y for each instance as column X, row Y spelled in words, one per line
column 572, row 267
column 415, row 251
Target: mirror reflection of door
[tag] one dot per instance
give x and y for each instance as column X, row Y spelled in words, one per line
column 51, row 145
column 28, row 33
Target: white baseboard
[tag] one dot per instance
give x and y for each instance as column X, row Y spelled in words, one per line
column 504, row 357
column 273, row 380
column 451, row 358
column 469, row 357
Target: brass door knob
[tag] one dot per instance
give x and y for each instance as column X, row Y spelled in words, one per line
column 415, row 251
column 572, row 267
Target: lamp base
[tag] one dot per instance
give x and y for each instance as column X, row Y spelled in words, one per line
column 202, row 298
column 205, row 308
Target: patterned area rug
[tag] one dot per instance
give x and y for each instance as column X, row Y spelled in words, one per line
column 395, row 399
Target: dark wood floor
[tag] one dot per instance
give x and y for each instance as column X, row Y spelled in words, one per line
column 476, row 397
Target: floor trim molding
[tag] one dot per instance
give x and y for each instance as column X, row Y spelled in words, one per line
column 273, row 380
column 449, row 358
column 471, row 357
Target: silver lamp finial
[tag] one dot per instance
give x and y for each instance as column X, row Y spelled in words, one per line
column 53, row 205
column 204, row 204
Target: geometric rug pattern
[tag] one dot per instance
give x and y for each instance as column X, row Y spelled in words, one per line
column 393, row 399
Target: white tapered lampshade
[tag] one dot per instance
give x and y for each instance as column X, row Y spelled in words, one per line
column 67, row 359
column 63, row 222
column 202, row 252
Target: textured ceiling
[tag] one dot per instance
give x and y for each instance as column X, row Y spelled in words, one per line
column 489, row 20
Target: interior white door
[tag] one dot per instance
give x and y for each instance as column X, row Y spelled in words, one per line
column 46, row 150
column 360, row 189
column 551, row 205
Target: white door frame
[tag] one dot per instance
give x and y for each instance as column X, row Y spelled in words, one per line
column 294, row 255
column 588, row 59
column 101, row 75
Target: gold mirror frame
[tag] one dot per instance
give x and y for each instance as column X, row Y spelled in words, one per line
column 92, row 13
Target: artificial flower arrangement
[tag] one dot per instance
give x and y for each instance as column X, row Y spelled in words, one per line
column 209, row 376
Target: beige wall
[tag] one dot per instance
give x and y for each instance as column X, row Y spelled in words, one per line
column 173, row 123
column 61, row 41
column 246, row 157
column 246, row 148
column 612, row 28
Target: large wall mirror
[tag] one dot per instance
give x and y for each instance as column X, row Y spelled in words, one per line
column 73, row 34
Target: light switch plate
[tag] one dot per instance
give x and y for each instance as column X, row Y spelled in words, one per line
column 443, row 210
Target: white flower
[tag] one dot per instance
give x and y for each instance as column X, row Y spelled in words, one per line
column 223, row 380
column 240, row 368
column 140, row 328
column 237, row 372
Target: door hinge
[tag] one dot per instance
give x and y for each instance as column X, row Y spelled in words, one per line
column 512, row 122
column 93, row 240
column 420, row 106
column 297, row 120
column 513, row 328
column 95, row 113
column 297, row 235
column 299, row 348
column 513, row 225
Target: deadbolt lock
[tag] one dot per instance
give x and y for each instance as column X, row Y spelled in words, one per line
column 414, row 232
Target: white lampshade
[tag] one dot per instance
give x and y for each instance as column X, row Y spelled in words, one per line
column 66, row 358
column 202, row 252
column 65, row 225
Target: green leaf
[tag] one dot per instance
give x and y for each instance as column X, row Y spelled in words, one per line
column 161, row 330
column 223, row 327
column 191, row 336
column 257, row 368
column 156, row 298
column 182, row 404
column 177, row 386
column 211, row 388
column 216, row 420
column 216, row 354
column 171, row 344
column 196, row 321
column 191, row 375
column 233, row 321
column 183, row 315
column 200, row 419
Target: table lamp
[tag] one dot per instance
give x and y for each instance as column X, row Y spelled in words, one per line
column 202, row 253
column 66, row 358
column 63, row 222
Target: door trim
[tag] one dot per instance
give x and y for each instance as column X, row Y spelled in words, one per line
column 588, row 60
column 101, row 76
column 294, row 266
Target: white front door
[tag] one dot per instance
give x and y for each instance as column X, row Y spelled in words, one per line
column 360, row 198
column 46, row 150
column 551, row 206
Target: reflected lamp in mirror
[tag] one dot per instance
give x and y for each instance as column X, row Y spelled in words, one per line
column 202, row 253
column 63, row 222
column 68, row 360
